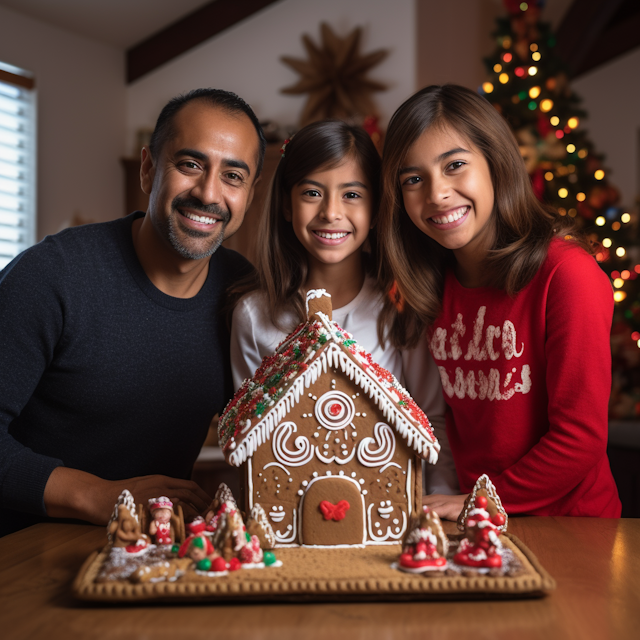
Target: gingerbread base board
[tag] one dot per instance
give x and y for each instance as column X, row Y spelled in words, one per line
column 324, row 574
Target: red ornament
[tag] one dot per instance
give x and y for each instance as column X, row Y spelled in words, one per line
column 219, row 565
column 335, row 512
column 234, row 564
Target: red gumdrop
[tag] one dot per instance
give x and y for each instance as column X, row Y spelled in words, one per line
column 481, row 502
column 234, row 564
column 219, row 565
column 334, row 409
column 498, row 520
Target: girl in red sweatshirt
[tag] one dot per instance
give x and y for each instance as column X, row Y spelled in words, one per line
column 518, row 312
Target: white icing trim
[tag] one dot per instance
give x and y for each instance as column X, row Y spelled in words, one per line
column 390, row 464
column 281, row 537
column 304, row 453
column 409, row 488
column 349, row 458
column 389, row 534
column 300, row 506
column 322, row 406
column 250, row 483
column 314, row 294
column 333, row 355
column 276, row 464
column 386, row 441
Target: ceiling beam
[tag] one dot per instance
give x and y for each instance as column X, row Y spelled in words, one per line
column 581, row 27
column 204, row 23
column 592, row 32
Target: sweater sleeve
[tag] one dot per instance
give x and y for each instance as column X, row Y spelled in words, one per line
column 423, row 383
column 31, row 323
column 579, row 309
column 245, row 351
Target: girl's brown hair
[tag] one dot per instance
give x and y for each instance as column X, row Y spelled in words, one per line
column 413, row 265
column 282, row 264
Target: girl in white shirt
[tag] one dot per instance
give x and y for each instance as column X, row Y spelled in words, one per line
column 318, row 231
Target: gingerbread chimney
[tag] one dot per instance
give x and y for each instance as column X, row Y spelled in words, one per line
column 318, row 301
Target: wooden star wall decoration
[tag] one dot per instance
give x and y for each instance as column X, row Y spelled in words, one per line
column 334, row 76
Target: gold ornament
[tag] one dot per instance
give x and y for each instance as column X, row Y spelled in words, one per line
column 334, row 76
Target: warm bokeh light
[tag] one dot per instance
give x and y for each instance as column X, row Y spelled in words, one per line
column 619, row 296
column 600, row 221
column 599, row 174
column 563, row 193
column 625, row 217
column 533, row 71
column 554, row 120
column 581, row 197
column 487, row 87
column 506, row 43
column 534, row 92
column 497, row 68
column 582, row 153
column 533, row 46
column 507, row 57
column 559, row 134
column 615, row 274
column 607, row 242
column 571, row 148
column 618, row 282
column 637, row 268
column 616, row 226
column 536, row 56
column 573, row 213
column 504, row 78
column 626, row 274
column 620, row 251
column 573, row 122
column 548, row 176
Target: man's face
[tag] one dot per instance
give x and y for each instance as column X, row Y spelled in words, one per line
column 202, row 181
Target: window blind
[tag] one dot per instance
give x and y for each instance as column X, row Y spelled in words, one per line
column 17, row 169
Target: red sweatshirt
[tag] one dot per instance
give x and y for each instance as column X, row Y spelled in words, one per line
column 527, row 382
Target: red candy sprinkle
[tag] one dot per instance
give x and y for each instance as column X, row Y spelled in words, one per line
column 335, row 409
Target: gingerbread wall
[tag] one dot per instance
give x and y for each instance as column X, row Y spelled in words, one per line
column 334, row 445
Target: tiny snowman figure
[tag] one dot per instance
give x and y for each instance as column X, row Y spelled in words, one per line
column 425, row 545
column 481, row 546
column 161, row 510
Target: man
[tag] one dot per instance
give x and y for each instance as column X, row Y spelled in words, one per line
column 113, row 343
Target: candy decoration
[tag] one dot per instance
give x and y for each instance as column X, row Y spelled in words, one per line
column 204, row 565
column 335, row 512
column 269, row 558
column 219, row 565
column 234, row 564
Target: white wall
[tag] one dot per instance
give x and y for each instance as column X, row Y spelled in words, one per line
column 611, row 95
column 246, row 58
column 81, row 118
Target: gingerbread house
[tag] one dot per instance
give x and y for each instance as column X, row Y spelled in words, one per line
column 331, row 443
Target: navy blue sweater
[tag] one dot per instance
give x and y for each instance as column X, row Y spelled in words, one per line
column 99, row 370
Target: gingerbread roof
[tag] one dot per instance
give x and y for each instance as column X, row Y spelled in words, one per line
column 302, row 357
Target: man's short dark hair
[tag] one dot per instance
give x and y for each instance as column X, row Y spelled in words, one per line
column 225, row 100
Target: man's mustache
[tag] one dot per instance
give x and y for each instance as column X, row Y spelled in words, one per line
column 193, row 203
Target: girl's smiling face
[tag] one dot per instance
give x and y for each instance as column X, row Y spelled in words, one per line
column 331, row 212
column 448, row 192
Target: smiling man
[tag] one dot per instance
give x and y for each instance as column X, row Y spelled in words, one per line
column 113, row 341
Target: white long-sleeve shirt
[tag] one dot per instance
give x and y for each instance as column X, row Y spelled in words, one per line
column 253, row 336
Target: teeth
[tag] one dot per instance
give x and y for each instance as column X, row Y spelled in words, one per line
column 331, row 236
column 196, row 218
column 452, row 217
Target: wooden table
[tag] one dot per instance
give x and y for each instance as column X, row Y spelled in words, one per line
column 596, row 564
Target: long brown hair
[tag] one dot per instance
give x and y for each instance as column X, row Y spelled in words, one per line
column 413, row 265
column 282, row 263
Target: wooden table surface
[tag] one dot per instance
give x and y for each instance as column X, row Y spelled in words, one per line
column 596, row 564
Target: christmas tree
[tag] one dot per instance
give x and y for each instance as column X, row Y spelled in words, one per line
column 529, row 85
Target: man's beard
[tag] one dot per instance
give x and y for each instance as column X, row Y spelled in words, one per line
column 174, row 233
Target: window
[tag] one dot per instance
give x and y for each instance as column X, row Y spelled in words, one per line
column 17, row 162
